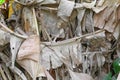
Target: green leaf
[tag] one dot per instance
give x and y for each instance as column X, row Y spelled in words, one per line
column 2, row 1
column 108, row 76
column 116, row 65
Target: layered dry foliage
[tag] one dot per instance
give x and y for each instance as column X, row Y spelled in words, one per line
column 58, row 39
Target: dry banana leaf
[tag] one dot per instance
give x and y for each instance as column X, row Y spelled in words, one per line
column 51, row 24
column 65, row 9
column 108, row 18
column 79, row 76
column 74, row 46
column 59, row 54
column 29, row 17
column 29, row 56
